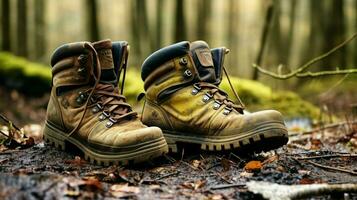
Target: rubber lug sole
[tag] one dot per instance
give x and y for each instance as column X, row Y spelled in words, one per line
column 58, row 139
column 255, row 142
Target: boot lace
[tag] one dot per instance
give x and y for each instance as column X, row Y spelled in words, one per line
column 104, row 97
column 220, row 96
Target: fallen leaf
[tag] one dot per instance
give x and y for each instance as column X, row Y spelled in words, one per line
column 215, row 197
column 226, row 164
column 246, row 174
column 76, row 161
column 196, row 163
column 253, row 166
column 194, row 185
column 123, row 190
column 270, row 159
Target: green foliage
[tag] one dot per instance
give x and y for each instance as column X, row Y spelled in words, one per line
column 23, row 75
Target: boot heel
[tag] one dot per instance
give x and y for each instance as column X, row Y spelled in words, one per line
column 53, row 137
column 171, row 144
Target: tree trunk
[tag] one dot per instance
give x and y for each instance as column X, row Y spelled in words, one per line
column 290, row 36
column 203, row 19
column 334, row 34
column 264, row 36
column 22, row 47
column 180, row 25
column 159, row 20
column 92, row 20
column 232, row 30
column 5, row 25
column 40, row 29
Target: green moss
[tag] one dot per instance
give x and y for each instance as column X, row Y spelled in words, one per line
column 28, row 77
column 257, row 96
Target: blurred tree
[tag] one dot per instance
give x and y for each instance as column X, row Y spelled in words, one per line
column 355, row 30
column 5, row 25
column 232, row 24
column 40, row 29
column 335, row 33
column 159, row 21
column 316, row 29
column 204, row 11
column 289, row 36
column 92, row 20
column 267, row 26
column 180, row 23
column 140, row 29
column 22, row 46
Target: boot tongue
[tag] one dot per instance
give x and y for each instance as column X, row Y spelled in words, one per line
column 202, row 58
column 104, row 50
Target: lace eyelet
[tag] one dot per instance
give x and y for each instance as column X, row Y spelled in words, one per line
column 216, row 105
column 206, row 98
column 187, row 73
column 103, row 116
column 111, row 122
column 227, row 110
column 196, row 89
column 183, row 61
column 97, row 108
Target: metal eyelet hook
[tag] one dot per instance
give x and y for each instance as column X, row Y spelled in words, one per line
column 110, row 122
column 217, row 104
column 196, row 89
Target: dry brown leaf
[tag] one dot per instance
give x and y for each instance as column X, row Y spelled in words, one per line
column 123, row 190
column 253, row 166
column 196, row 163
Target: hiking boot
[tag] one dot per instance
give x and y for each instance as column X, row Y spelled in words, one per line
column 86, row 108
column 183, row 98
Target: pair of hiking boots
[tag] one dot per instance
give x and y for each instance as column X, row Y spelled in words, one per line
column 183, row 104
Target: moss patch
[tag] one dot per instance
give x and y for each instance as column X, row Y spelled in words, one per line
column 257, row 96
column 28, row 77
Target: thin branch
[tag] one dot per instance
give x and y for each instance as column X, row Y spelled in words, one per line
column 326, row 73
column 9, row 122
column 332, row 168
column 225, row 186
column 302, row 68
column 326, row 156
column 2, row 133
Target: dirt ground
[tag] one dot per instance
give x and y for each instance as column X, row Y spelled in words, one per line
column 42, row 172
column 326, row 154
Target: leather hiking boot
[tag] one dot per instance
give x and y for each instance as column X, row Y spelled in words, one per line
column 87, row 110
column 183, row 98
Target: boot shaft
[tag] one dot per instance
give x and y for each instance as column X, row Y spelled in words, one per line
column 179, row 65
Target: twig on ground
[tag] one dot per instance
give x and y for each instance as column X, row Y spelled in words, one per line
column 225, row 186
column 167, row 175
column 299, row 72
column 326, row 156
column 9, row 122
column 2, row 133
column 325, row 127
column 284, row 192
column 332, row 168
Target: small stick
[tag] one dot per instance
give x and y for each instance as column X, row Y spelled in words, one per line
column 167, row 175
column 2, row 133
column 332, row 168
column 327, row 156
column 225, row 186
column 9, row 122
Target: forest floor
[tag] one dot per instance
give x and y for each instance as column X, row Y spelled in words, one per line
column 324, row 155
